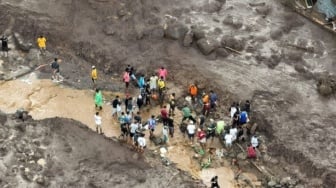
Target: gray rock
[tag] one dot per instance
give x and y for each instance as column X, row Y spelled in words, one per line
column 232, row 42
column 198, row 32
column 285, row 181
column 175, row 31
column 109, row 30
column 271, row 184
column 207, row 46
column 157, row 32
column 276, row 33
column 264, row 10
column 222, row 52
column 188, row 39
column 24, row 46
column 213, row 6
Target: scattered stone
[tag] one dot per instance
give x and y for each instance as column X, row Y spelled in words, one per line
column 109, row 30
column 40, row 180
column 199, row 33
column 213, row 6
column 222, row 52
column 276, row 33
column 207, row 45
column 232, row 42
column 264, row 10
column 271, row 184
column 326, row 85
column 24, row 46
column 285, row 181
column 188, row 39
column 157, row 32
column 175, row 31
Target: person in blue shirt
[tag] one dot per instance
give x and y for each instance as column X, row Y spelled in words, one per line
column 243, row 118
column 141, row 82
column 213, row 100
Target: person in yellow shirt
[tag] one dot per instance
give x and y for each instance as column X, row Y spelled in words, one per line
column 94, row 75
column 41, row 42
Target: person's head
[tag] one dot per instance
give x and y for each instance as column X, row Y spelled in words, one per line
column 153, row 116
column 97, row 113
column 97, row 90
column 216, row 177
column 173, row 94
column 247, row 101
column 139, row 97
column 41, row 36
column 142, row 75
column 162, row 67
column 55, row 59
column 93, row 67
column 161, row 77
column 211, row 91
column 138, row 113
column 128, row 65
column 191, row 122
column 126, row 70
column 164, row 106
column 122, row 113
column 117, row 96
column 127, row 113
column 212, row 120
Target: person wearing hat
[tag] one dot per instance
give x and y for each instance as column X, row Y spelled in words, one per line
column 94, row 75
column 191, row 128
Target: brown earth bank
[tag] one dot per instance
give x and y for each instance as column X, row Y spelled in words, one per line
column 279, row 60
column 59, row 152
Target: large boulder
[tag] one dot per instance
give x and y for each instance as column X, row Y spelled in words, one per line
column 198, row 32
column 23, row 45
column 232, row 42
column 175, row 31
column 207, row 45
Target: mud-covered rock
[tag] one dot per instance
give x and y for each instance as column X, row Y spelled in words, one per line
column 207, row 45
column 264, row 10
column 198, row 32
column 175, row 31
column 188, row 39
column 326, row 85
column 232, row 42
column 276, row 33
column 23, row 45
column 109, row 30
column 222, row 52
column 157, row 32
column 213, row 6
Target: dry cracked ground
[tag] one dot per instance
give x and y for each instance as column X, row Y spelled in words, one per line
column 261, row 51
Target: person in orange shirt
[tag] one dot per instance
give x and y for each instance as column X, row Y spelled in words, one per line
column 206, row 104
column 193, row 91
column 41, row 42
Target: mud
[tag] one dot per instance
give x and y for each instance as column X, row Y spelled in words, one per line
column 276, row 62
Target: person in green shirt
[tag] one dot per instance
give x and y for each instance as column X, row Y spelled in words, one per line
column 220, row 127
column 99, row 99
column 187, row 114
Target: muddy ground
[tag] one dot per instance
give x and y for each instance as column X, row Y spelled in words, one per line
column 278, row 61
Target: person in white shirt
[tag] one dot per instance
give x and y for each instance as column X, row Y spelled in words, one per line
column 228, row 140
column 141, row 143
column 98, row 121
column 234, row 132
column 254, row 141
column 153, row 82
column 191, row 128
column 133, row 127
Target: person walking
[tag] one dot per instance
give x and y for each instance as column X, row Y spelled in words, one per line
column 4, row 45
column 151, row 126
column 193, row 91
column 140, row 101
column 153, row 80
column 56, row 75
column 98, row 120
column 98, row 99
column 213, row 100
column 94, row 76
column 162, row 87
column 164, row 115
column 201, row 135
column 214, row 182
column 42, row 44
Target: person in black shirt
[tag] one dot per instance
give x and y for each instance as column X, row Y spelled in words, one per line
column 56, row 70
column 214, row 182
column 4, row 45
column 115, row 107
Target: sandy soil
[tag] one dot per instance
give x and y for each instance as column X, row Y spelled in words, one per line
column 282, row 55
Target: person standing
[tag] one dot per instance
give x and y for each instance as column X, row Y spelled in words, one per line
column 153, row 82
column 213, row 100
column 4, row 45
column 133, row 127
column 206, row 104
column 201, row 138
column 170, row 123
column 172, row 104
column 141, row 82
column 94, row 75
column 126, row 79
column 115, row 105
column 42, row 44
column 141, row 143
column 164, row 115
column 192, row 90
column 99, row 99
column 211, row 130
column 140, row 102
column 151, row 126
column 162, row 87
column 191, row 128
column 98, row 121
column 163, row 73
column 214, row 182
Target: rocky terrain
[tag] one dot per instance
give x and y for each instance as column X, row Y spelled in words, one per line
column 262, row 51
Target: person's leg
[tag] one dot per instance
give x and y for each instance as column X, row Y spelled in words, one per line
column 97, row 128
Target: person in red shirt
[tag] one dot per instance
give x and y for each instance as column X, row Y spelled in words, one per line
column 164, row 115
column 201, row 138
column 251, row 152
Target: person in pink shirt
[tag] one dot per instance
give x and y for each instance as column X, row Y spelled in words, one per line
column 163, row 73
column 126, row 78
